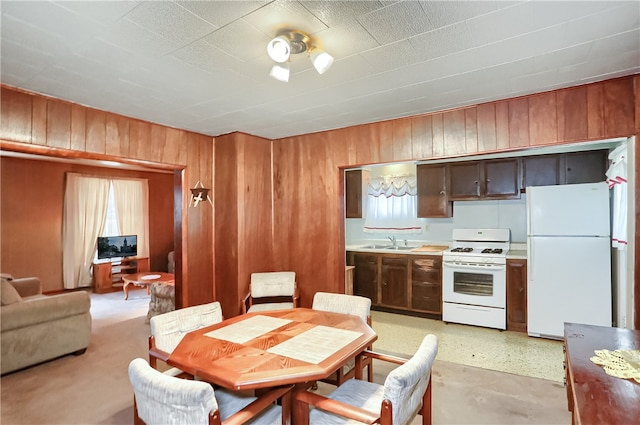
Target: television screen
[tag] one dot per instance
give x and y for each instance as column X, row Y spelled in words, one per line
column 117, row 246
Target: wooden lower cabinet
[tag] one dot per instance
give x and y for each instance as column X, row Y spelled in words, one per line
column 426, row 283
column 517, row 295
column 365, row 275
column 394, row 275
column 398, row 282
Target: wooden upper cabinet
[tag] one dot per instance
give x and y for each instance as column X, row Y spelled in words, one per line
column 464, row 180
column 433, row 200
column 489, row 179
column 585, row 167
column 566, row 168
column 355, row 193
column 541, row 170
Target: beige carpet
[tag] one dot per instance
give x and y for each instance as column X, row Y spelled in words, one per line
column 94, row 388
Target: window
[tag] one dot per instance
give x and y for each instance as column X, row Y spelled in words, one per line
column 392, row 205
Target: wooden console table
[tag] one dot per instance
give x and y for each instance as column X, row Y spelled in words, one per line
column 593, row 396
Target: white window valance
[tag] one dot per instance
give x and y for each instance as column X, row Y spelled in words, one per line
column 389, row 186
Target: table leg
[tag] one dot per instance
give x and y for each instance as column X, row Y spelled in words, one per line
column 126, row 291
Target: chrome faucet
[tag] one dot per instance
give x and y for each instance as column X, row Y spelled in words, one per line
column 392, row 239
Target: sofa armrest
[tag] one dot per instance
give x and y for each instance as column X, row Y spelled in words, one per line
column 27, row 286
column 44, row 309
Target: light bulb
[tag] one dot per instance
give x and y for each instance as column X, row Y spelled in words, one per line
column 280, row 72
column 279, row 49
column 321, row 60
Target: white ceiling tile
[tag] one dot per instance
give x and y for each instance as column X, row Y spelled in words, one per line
column 282, row 14
column 171, row 21
column 220, row 12
column 134, row 38
column 396, row 22
column 548, row 13
column 391, row 56
column 442, row 41
column 15, row 72
column 502, row 24
column 99, row 11
column 604, row 24
column 619, row 43
column 240, row 40
column 334, row 13
column 345, row 40
column 33, row 37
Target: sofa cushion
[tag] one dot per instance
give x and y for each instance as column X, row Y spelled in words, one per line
column 8, row 293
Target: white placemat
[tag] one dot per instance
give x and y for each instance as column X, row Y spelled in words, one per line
column 150, row 276
column 248, row 329
column 316, row 344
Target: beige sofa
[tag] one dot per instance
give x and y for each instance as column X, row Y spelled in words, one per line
column 36, row 327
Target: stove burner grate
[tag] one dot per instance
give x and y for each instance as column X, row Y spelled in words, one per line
column 461, row 249
column 492, row 251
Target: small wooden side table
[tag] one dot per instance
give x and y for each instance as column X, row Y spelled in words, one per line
column 145, row 279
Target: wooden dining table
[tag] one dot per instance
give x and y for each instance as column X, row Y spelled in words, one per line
column 272, row 348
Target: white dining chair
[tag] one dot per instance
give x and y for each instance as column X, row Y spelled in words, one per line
column 271, row 291
column 160, row 399
column 406, row 393
column 168, row 329
column 345, row 304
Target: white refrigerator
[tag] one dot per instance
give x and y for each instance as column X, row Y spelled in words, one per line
column 568, row 257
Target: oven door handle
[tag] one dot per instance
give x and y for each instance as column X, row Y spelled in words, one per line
column 474, row 267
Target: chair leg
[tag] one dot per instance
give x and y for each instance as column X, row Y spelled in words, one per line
column 426, row 405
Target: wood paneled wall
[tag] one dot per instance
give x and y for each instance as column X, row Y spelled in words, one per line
column 243, row 215
column 308, row 189
column 32, row 206
column 41, row 125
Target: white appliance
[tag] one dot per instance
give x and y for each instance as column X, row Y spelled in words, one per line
column 474, row 284
column 569, row 257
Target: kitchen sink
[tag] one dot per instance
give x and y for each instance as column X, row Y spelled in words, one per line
column 375, row 246
column 390, row 247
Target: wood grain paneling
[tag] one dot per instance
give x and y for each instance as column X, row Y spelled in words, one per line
column 402, row 139
column 78, row 128
column 595, row 111
column 15, row 115
column 385, row 140
column 116, row 135
column 437, row 130
column 572, row 114
column 487, row 136
column 421, row 137
column 39, row 121
column 58, row 124
column 543, row 119
column 454, row 132
column 471, row 130
column 96, row 131
column 502, row 125
column 174, row 152
column 619, row 107
column 158, row 144
column 519, row 122
column 140, row 139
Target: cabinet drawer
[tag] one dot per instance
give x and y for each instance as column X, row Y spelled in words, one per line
column 426, row 296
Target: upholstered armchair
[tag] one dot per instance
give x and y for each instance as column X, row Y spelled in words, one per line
column 168, row 329
column 161, row 399
column 271, row 291
column 345, row 304
column 406, row 392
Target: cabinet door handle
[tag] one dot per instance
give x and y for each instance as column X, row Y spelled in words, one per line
column 442, row 192
column 384, row 283
column 475, row 182
column 488, row 180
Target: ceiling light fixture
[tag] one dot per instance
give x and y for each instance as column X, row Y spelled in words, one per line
column 293, row 42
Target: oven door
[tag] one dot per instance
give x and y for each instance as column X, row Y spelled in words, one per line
column 474, row 284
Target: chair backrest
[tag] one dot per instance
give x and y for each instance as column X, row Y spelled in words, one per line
column 406, row 385
column 342, row 303
column 168, row 329
column 166, row 400
column 273, row 284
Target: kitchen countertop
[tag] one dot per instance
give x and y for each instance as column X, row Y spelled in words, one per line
column 516, row 253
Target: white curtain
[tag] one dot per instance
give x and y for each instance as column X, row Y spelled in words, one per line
column 85, row 208
column 392, row 205
column 130, row 196
column 617, row 180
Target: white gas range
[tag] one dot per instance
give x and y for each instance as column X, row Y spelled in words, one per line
column 474, row 278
